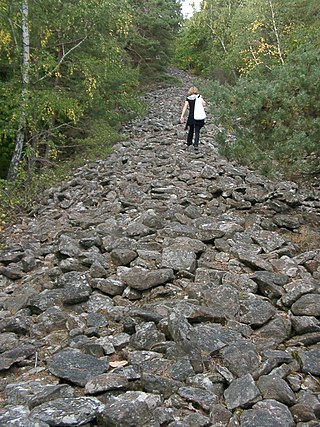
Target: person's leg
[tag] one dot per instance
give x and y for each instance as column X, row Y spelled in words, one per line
column 196, row 135
column 190, row 135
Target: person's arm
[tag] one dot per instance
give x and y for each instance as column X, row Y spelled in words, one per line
column 184, row 109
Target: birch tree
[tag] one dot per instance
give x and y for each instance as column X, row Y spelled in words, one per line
column 276, row 32
column 20, row 139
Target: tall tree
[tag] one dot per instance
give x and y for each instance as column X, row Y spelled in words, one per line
column 239, row 36
column 76, row 64
column 24, row 95
column 155, row 26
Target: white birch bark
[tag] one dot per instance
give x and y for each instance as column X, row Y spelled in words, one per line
column 276, row 32
column 12, row 173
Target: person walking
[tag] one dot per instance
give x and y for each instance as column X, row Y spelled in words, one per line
column 193, row 124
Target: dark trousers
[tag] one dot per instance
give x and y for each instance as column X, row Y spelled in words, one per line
column 194, row 129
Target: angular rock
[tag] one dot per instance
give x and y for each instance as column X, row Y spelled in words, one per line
column 178, row 259
column 267, row 413
column 19, row 354
column 159, row 385
column 202, row 398
column 273, row 387
column 106, row 382
column 242, row 393
column 76, row 367
column 76, row 288
column 240, row 357
column 129, row 409
column 108, row 286
column 307, row 305
column 122, row 256
column 68, row 411
column 147, row 336
column 310, row 361
column 19, row 416
column 142, row 279
column 256, row 311
column 34, row 393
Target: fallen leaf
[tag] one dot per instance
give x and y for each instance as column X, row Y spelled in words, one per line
column 118, row 363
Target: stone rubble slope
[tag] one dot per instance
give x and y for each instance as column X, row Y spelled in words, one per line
column 161, row 287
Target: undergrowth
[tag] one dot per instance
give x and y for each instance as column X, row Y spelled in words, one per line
column 22, row 195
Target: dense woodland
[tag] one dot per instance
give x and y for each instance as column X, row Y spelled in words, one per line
column 71, row 73
column 262, row 57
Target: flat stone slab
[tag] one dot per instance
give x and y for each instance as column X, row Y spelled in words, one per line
column 76, row 367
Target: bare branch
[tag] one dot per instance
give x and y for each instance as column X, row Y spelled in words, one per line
column 65, row 54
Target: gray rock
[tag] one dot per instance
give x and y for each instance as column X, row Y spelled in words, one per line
column 267, row 413
column 273, row 387
column 220, row 415
column 76, row 367
column 147, row 336
column 8, row 341
column 179, row 259
column 224, row 300
column 275, row 332
column 75, row 411
column 19, row 354
column 45, row 300
column 305, row 324
column 307, row 305
column 203, row 398
column 19, row 416
column 69, row 246
column 131, row 408
column 268, row 240
column 108, row 286
column 106, row 382
column 181, row 370
column 19, row 324
column 142, row 279
column 270, row 284
column 54, row 318
column 240, row 357
column 242, row 392
column 34, row 393
column 159, row 384
column 99, row 303
column 76, row 288
column 256, row 311
column 122, row 256
column 310, row 361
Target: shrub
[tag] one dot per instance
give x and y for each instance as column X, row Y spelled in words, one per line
column 274, row 120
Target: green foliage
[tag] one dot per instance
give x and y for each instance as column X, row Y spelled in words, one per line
column 190, row 47
column 150, row 43
column 235, row 38
column 25, row 191
column 274, row 120
column 78, row 69
column 8, row 106
column 87, row 59
column 266, row 55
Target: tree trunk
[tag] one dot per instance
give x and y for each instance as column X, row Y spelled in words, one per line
column 13, row 169
column 276, row 32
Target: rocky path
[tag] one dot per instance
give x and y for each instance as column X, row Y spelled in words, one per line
column 163, row 287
